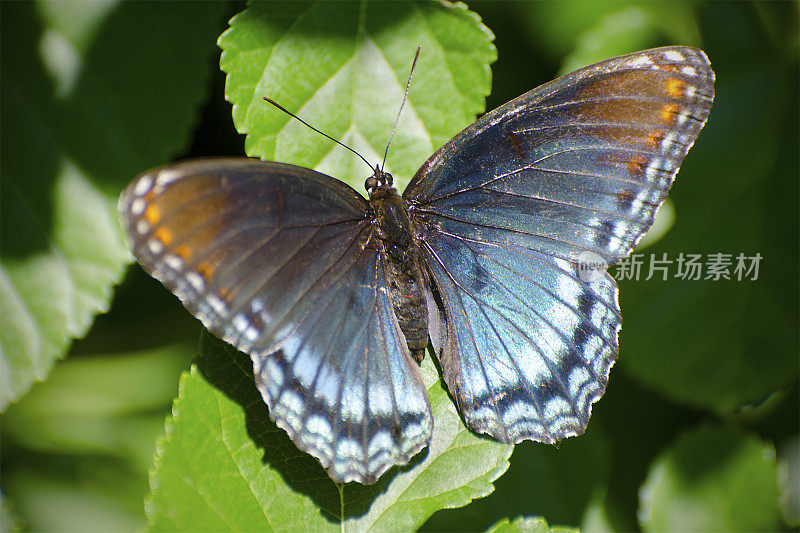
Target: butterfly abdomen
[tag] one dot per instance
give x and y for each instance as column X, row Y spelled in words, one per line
column 393, row 230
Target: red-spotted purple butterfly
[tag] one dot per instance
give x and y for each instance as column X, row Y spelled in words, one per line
column 334, row 297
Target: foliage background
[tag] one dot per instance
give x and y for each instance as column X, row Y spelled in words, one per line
column 700, row 422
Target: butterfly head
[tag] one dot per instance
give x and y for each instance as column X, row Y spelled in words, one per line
column 379, row 183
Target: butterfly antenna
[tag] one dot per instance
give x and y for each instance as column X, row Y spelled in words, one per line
column 276, row 104
column 405, row 97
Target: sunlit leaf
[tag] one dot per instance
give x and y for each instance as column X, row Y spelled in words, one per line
column 527, row 524
column 348, row 81
column 712, row 479
column 566, row 476
column 99, row 405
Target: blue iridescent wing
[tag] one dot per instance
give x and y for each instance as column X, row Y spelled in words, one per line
column 580, row 163
column 507, row 209
column 525, row 345
column 273, row 259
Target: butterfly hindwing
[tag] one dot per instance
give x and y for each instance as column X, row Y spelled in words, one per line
column 273, row 259
column 525, row 345
column 363, row 407
column 506, row 210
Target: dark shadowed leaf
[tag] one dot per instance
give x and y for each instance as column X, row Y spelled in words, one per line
column 722, row 343
column 92, row 94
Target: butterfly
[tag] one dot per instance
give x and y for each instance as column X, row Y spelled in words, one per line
column 335, row 296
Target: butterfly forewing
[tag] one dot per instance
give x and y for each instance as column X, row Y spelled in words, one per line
column 580, row 163
column 274, row 259
column 506, row 210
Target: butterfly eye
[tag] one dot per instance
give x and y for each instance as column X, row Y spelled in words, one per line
column 370, row 184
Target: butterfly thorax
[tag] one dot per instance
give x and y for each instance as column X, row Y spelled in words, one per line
column 392, row 233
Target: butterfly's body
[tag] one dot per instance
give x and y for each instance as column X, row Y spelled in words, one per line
column 334, row 296
column 393, row 230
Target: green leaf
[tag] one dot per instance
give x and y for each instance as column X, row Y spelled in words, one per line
column 712, row 479
column 566, row 477
column 8, row 519
column 596, row 517
column 57, row 502
column 527, row 524
column 343, row 66
column 225, row 466
column 77, row 448
column 92, row 93
column 618, row 33
column 100, row 405
column 789, row 480
column 569, row 26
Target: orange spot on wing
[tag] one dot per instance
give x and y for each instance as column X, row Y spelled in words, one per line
column 152, row 214
column 675, row 88
column 668, row 112
column 654, row 138
column 183, row 252
column 636, row 164
column 205, row 270
column 163, row 235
